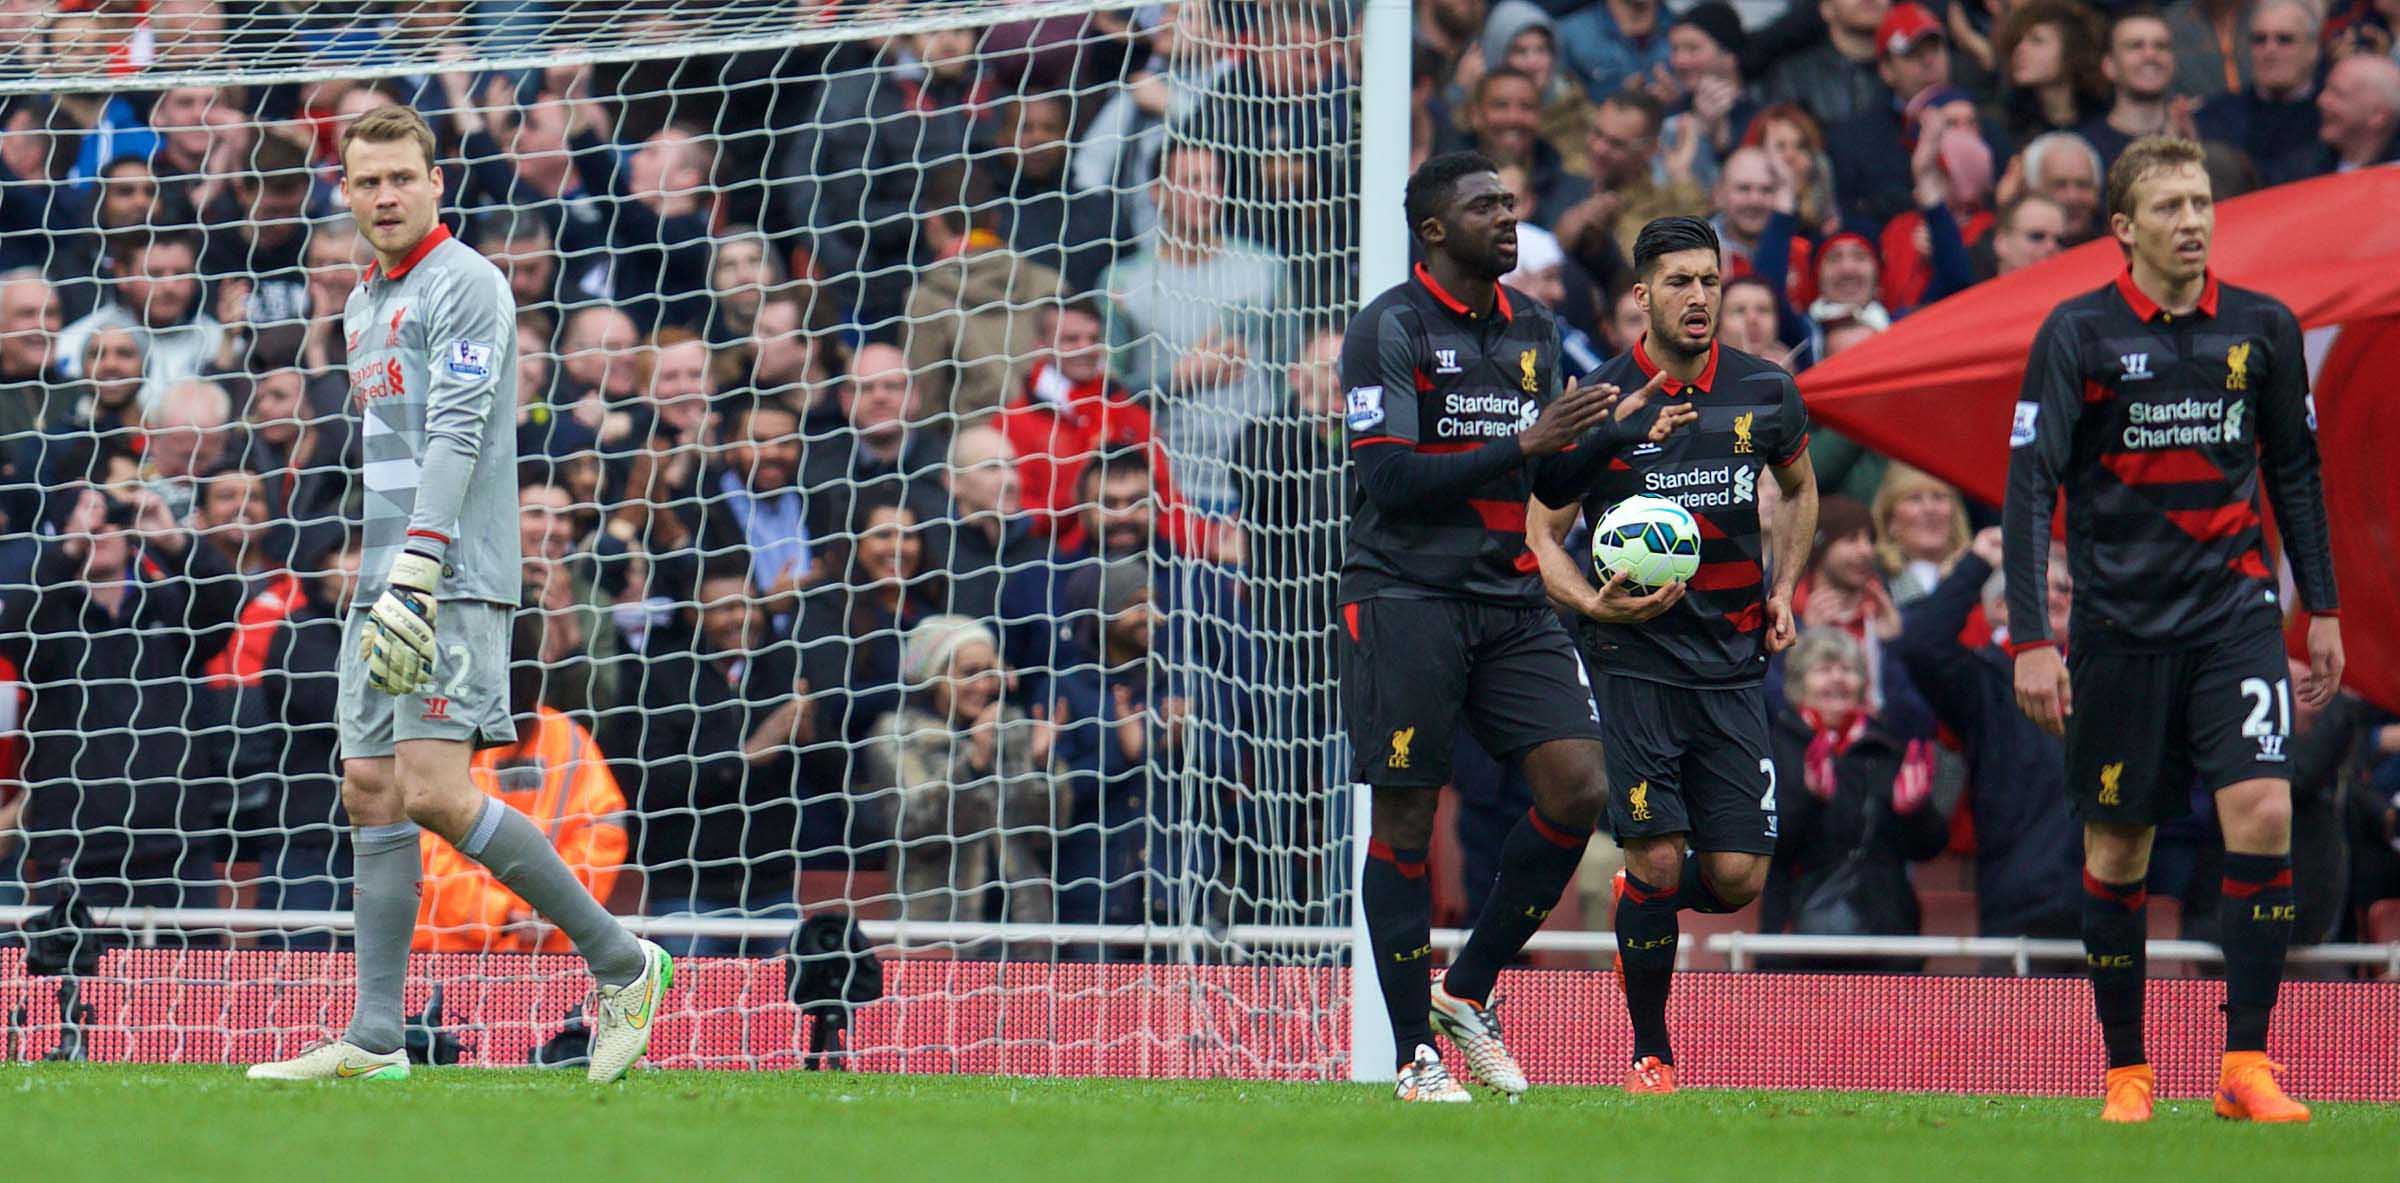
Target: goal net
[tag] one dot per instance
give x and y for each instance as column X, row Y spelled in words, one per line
column 929, row 489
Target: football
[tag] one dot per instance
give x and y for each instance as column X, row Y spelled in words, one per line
column 1652, row 540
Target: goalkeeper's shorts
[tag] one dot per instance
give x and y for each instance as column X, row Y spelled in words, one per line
column 468, row 697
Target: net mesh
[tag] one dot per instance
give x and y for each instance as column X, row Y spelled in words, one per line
column 836, row 321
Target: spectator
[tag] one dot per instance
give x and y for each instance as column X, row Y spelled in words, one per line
column 1191, row 317
column 1843, row 588
column 1519, row 36
column 523, row 249
column 1705, row 54
column 986, row 535
column 304, row 458
column 1920, row 530
column 230, row 514
column 599, row 355
column 1754, row 199
column 1042, row 217
column 183, row 438
column 1863, row 809
column 1629, row 187
column 658, row 234
column 1836, row 79
column 1849, row 272
column 125, row 805
column 257, row 235
column 1069, row 412
column 547, row 430
column 1191, row 55
column 1544, row 273
column 1628, row 319
column 2274, row 120
column 156, row 293
column 333, row 260
column 885, row 590
column 2208, row 49
column 790, row 362
column 555, row 774
column 1504, row 122
column 289, row 757
column 747, row 501
column 2026, row 840
column 2140, row 65
column 1871, row 148
column 2051, row 50
column 1924, row 250
column 876, row 449
column 1119, row 521
column 710, row 758
column 1287, row 105
column 125, row 198
column 741, row 273
column 1615, row 45
column 107, row 401
column 576, row 643
column 1449, row 27
column 29, row 327
column 978, row 793
column 2063, row 167
column 972, row 314
column 1793, row 138
column 202, row 132
column 2029, row 230
column 2359, row 113
column 1748, row 319
column 1293, row 506
column 519, row 166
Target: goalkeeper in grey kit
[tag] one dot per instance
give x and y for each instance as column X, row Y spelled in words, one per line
column 431, row 330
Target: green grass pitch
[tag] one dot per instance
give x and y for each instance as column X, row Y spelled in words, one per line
column 136, row 1122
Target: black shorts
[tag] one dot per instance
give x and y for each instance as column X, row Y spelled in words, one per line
column 1411, row 669
column 1683, row 760
column 2146, row 724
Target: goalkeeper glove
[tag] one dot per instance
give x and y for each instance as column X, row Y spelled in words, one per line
column 396, row 645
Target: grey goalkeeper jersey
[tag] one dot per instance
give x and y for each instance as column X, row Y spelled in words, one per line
column 433, row 378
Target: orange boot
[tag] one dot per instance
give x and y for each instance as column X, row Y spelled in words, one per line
column 1651, row 1075
column 2129, row 1093
column 2247, row 1090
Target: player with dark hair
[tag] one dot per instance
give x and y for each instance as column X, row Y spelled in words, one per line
column 1682, row 697
column 1456, row 415
column 2155, row 402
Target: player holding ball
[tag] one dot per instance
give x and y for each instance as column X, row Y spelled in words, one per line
column 1682, row 697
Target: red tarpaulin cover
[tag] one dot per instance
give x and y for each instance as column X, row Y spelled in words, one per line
column 1937, row 390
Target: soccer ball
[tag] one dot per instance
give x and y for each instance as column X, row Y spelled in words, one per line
column 1652, row 540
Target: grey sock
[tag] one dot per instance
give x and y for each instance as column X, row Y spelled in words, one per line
column 520, row 857
column 385, row 907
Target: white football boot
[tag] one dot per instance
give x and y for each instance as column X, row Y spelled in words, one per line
column 1426, row 1080
column 624, row 1015
column 335, row 1059
column 1475, row 1029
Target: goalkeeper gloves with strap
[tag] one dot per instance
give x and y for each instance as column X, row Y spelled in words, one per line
column 397, row 645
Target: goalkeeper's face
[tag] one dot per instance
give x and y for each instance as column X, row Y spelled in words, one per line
column 393, row 194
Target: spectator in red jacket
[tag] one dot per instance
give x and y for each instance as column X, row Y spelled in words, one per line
column 1070, row 411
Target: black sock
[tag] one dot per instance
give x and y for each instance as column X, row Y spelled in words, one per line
column 1399, row 900
column 2113, row 934
column 2254, row 927
column 1646, row 936
column 1695, row 895
column 1536, row 861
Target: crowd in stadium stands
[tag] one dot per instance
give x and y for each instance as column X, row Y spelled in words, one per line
column 930, row 450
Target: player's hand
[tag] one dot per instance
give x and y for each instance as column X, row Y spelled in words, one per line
column 2042, row 690
column 1989, row 547
column 1671, row 418
column 1782, row 634
column 397, row 643
column 1567, row 417
column 1618, row 602
column 2324, row 678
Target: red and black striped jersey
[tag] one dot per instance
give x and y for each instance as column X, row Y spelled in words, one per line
column 1750, row 418
column 2155, row 425
column 1437, row 488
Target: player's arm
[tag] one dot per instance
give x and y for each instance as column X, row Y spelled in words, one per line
column 1564, row 478
column 1795, row 517
column 2287, row 448
column 1379, row 374
column 1546, row 531
column 2041, row 440
column 467, row 331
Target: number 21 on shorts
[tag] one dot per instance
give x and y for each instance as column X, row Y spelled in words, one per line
column 2266, row 697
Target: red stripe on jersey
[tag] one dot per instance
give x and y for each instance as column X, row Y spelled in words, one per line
column 1708, row 529
column 1424, row 384
column 1748, row 619
column 1617, row 464
column 1728, row 574
column 2168, row 466
column 1365, row 440
column 1526, row 564
column 422, row 533
column 2208, row 525
column 2094, row 392
column 1446, row 447
column 1350, row 618
column 1508, row 516
column 2256, row 568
